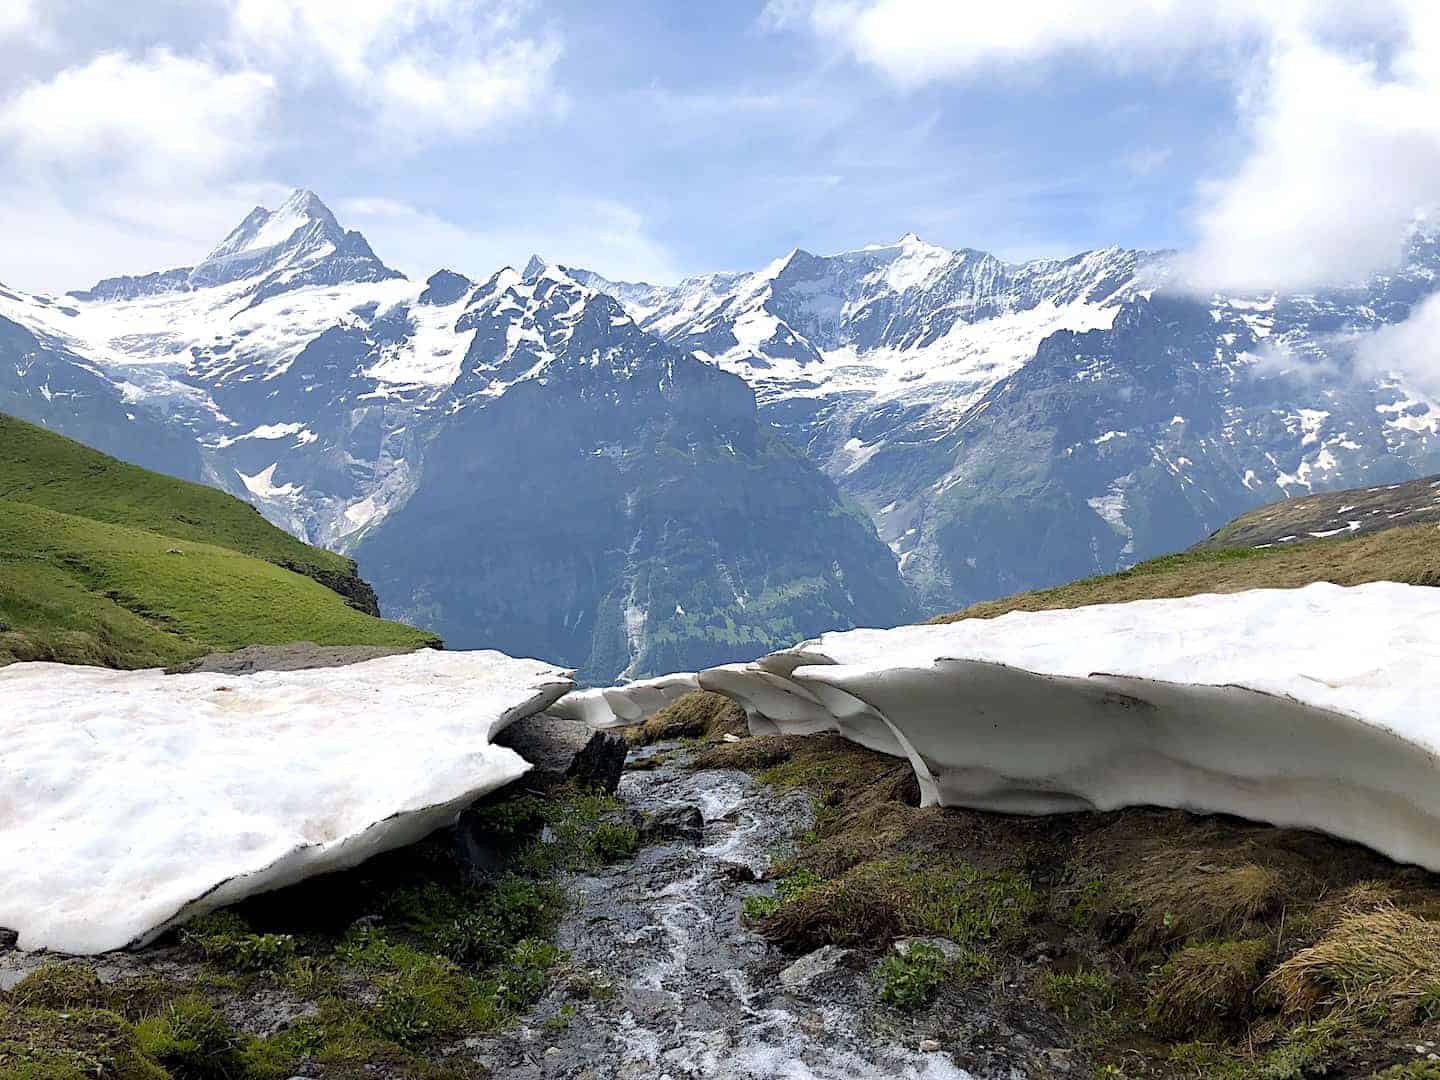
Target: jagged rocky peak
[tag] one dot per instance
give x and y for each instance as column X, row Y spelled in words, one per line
column 445, row 287
column 263, row 230
column 300, row 243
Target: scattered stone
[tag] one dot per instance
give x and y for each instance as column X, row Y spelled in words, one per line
column 683, row 822
column 947, row 948
column 812, row 966
column 929, row 1046
column 730, row 736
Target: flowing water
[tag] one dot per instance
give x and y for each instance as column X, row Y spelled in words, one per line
column 695, row 994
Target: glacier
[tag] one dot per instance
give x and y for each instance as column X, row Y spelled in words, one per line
column 1309, row 708
column 131, row 801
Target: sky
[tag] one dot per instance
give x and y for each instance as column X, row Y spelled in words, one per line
column 646, row 139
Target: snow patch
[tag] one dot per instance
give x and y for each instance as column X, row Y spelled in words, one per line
column 1307, row 708
column 151, row 798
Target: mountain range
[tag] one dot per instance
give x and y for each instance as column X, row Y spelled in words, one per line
column 632, row 478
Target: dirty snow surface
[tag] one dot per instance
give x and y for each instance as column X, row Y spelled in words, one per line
column 1307, row 707
column 130, row 801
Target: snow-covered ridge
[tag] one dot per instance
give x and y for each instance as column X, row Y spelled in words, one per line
column 1307, row 707
column 133, row 800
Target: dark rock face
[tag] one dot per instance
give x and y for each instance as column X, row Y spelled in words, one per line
column 43, row 382
column 359, row 594
column 624, row 513
column 673, row 823
column 562, row 749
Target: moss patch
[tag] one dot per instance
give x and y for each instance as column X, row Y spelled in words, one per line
column 1160, row 942
column 1410, row 555
column 697, row 715
column 382, row 968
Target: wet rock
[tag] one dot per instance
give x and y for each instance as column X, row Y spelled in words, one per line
column 563, row 749
column 735, row 871
column 813, row 966
column 600, row 762
column 674, row 823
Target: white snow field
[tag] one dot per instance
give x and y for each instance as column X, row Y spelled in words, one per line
column 621, row 706
column 131, row 801
column 1310, row 707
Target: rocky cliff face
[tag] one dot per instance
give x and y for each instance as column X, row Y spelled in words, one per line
column 605, row 499
column 1003, row 426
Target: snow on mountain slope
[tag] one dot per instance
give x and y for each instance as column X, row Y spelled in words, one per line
column 1002, row 424
column 1005, row 426
column 595, row 494
column 1300, row 707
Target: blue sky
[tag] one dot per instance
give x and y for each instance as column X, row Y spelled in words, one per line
column 646, row 138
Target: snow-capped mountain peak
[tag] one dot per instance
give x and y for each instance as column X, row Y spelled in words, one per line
column 264, row 229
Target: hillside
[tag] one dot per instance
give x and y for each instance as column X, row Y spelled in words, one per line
column 106, row 563
column 1352, row 512
column 1408, row 554
column 43, row 469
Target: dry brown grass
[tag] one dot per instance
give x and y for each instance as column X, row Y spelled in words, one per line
column 1384, row 960
column 1180, row 898
column 1184, row 916
column 1410, row 555
column 697, row 715
column 1208, row 987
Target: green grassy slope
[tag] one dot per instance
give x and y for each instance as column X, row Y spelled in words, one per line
column 41, row 468
column 105, row 563
column 1410, row 555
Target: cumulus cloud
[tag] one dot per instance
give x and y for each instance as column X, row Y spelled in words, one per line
column 1409, row 350
column 126, row 161
column 1344, row 154
column 424, row 68
column 916, row 41
column 160, row 116
column 1342, row 119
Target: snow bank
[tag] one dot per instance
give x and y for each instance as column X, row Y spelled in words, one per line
column 620, row 706
column 131, row 801
column 1310, row 707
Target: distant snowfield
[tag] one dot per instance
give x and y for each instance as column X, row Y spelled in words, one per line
column 131, row 801
column 1307, row 707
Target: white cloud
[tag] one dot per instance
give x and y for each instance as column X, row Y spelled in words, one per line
column 423, row 68
column 595, row 234
column 159, row 117
column 17, row 17
column 1343, row 121
column 1410, row 349
column 916, row 41
column 57, row 240
column 1343, row 154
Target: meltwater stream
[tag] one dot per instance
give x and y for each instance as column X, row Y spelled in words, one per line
column 695, row 993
